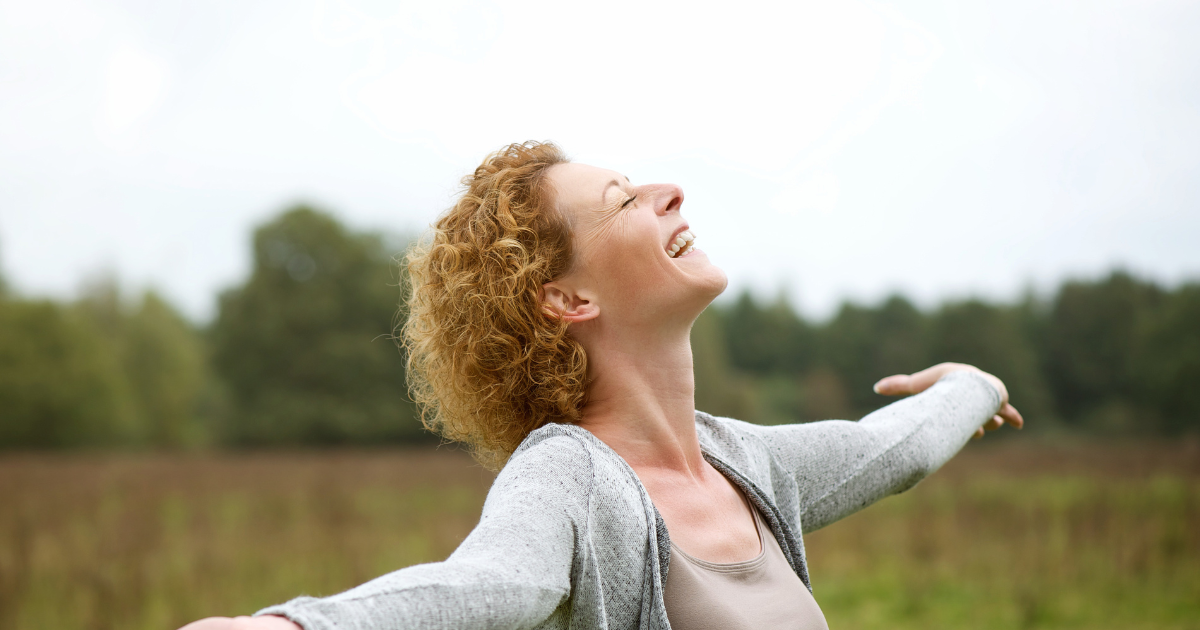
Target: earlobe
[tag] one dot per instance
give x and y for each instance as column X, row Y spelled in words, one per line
column 560, row 302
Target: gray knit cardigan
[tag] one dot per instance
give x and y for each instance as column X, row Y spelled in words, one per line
column 568, row 537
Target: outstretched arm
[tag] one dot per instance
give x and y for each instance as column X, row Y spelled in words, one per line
column 512, row 571
column 841, row 467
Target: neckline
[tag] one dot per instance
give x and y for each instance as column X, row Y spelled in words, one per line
column 732, row 567
column 793, row 554
column 664, row 556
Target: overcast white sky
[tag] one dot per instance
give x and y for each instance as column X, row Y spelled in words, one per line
column 837, row 149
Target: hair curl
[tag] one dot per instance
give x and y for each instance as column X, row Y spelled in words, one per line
column 486, row 364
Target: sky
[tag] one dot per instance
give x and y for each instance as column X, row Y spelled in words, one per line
column 828, row 150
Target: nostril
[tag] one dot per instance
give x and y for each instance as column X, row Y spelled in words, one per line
column 674, row 204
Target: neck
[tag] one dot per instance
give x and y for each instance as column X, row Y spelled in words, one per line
column 641, row 399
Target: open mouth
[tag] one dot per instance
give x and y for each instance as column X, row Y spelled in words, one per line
column 683, row 244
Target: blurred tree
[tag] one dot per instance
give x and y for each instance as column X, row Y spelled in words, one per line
column 304, row 346
column 767, row 339
column 167, row 368
column 1092, row 338
column 719, row 390
column 992, row 338
column 1167, row 367
column 60, row 384
column 163, row 370
column 862, row 345
column 823, row 396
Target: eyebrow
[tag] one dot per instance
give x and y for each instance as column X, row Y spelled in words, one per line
column 615, row 182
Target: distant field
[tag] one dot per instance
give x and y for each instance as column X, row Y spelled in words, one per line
column 1009, row 535
column 1016, row 535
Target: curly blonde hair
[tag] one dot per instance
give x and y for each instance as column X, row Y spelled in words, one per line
column 486, row 363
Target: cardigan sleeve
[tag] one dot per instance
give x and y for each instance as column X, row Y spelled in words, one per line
column 841, row 466
column 512, row 571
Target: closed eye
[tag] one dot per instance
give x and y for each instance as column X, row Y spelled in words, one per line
column 628, row 201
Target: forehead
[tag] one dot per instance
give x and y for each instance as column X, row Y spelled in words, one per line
column 581, row 186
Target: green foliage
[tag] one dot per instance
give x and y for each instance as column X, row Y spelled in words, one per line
column 992, row 337
column 718, row 389
column 1168, row 362
column 58, row 384
column 1119, row 355
column 301, row 353
column 1094, row 332
column 99, row 372
column 862, row 345
column 304, row 345
column 161, row 365
column 769, row 339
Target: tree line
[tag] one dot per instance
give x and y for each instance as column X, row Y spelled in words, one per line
column 301, row 354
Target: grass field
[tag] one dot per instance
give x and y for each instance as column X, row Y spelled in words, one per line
column 1012, row 534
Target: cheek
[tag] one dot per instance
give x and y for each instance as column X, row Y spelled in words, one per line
column 628, row 269
column 627, row 266
column 624, row 258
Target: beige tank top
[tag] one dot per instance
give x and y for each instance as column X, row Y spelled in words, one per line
column 757, row 594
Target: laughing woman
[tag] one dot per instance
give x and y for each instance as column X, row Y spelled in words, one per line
column 549, row 330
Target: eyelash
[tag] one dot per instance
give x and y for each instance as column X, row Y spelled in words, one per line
column 628, row 201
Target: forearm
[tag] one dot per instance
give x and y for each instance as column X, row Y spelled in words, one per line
column 841, row 467
column 441, row 595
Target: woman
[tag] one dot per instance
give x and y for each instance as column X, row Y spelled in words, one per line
column 549, row 330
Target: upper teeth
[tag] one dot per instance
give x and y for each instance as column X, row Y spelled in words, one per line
column 682, row 245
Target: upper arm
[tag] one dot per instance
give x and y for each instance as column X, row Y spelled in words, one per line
column 841, row 467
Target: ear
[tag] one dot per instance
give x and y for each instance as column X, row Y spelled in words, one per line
column 561, row 301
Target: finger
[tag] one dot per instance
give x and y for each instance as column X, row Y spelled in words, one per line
column 995, row 422
column 895, row 385
column 978, row 433
column 1010, row 415
column 923, row 380
column 915, row 383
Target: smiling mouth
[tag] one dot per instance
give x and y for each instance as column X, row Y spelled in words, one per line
column 682, row 245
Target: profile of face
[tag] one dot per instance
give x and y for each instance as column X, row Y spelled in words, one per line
column 630, row 268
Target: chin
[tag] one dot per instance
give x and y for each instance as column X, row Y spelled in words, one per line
column 718, row 284
column 712, row 280
column 707, row 287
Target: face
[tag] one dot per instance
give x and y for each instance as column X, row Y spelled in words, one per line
column 625, row 265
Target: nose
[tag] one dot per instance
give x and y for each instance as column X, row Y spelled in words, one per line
column 667, row 198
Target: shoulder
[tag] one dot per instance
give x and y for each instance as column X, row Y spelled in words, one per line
column 738, row 444
column 552, row 442
column 567, row 460
column 553, row 454
column 736, row 438
column 763, row 452
column 723, row 434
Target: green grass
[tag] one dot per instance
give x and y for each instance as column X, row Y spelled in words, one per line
column 1023, row 536
column 1009, row 535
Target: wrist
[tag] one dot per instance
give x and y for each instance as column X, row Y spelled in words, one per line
column 996, row 383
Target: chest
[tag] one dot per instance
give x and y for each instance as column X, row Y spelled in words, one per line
column 762, row 592
column 710, row 519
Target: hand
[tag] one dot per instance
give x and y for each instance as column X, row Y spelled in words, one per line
column 266, row 622
column 905, row 384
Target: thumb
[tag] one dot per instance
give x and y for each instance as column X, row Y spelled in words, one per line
column 895, row 385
